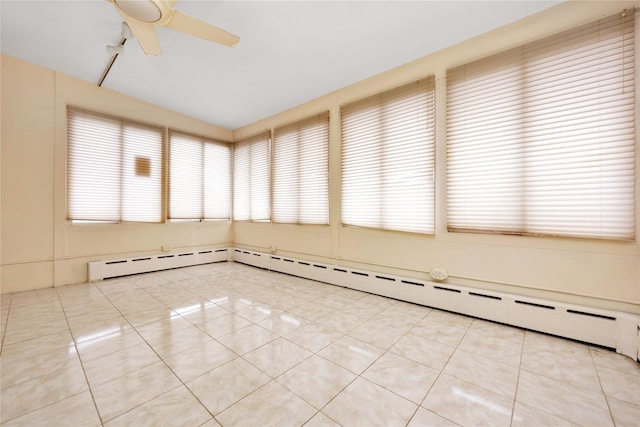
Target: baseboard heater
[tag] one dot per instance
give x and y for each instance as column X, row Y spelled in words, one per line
column 105, row 269
column 613, row 329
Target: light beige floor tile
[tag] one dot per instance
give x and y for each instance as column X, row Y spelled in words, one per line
column 407, row 308
column 534, row 342
column 198, row 360
column 425, row 418
column 624, row 414
column 526, row 416
column 270, row 405
column 443, row 333
column 497, row 330
column 90, row 310
column 37, row 393
column 167, row 326
column 365, row 310
column 283, row 323
column 119, row 363
column 17, row 331
column 175, row 408
column 483, row 372
column 422, row 350
column 233, row 302
column 78, row 411
column 225, row 385
column 620, row 385
column 402, row 376
column 21, row 367
column 139, row 301
column 33, row 297
column 5, row 301
column 149, row 315
column 350, row 293
column 351, row 353
column 316, row 380
column 379, row 335
column 575, row 404
column 185, row 303
column 258, row 312
column 467, row 404
column 45, row 344
column 85, row 328
column 211, row 423
column 377, row 300
column 277, row 356
column 223, row 325
column 333, row 301
column 321, row 420
column 449, row 318
column 244, row 340
column 612, row 360
column 205, row 312
column 133, row 389
column 562, row 368
column 313, row 337
column 311, row 310
column 392, row 319
column 340, row 322
column 477, row 342
column 106, row 342
column 363, row 403
column 179, row 341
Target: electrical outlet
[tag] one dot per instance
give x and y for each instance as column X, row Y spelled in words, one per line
column 438, row 274
column 166, row 248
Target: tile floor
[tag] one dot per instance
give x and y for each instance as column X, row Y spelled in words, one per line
column 226, row 344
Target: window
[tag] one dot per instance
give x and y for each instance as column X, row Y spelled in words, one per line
column 199, row 178
column 114, row 169
column 388, row 159
column 300, row 172
column 251, row 178
column 540, row 138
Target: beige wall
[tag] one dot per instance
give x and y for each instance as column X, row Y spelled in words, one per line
column 39, row 247
column 596, row 273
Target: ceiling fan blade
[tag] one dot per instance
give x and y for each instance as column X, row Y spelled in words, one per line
column 195, row 27
column 146, row 36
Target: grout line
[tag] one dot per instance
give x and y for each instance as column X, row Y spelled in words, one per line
column 515, row 395
column 86, row 378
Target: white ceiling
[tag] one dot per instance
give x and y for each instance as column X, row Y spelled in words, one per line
column 289, row 52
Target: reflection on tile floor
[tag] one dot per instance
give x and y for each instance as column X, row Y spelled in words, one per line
column 226, row 344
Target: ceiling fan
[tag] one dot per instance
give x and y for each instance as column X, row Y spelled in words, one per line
column 143, row 16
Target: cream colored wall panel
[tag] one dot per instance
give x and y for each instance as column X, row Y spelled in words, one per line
column 78, row 93
column 302, row 239
column 105, row 239
column 27, row 162
column 25, row 277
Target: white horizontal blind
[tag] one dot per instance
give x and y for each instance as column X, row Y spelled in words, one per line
column 388, row 159
column 199, row 178
column 217, row 180
column 251, row 167
column 114, row 169
column 301, row 172
column 540, row 139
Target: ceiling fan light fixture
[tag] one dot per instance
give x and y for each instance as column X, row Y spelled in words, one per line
column 142, row 10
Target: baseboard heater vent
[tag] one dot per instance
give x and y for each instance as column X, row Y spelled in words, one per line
column 99, row 270
column 613, row 329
